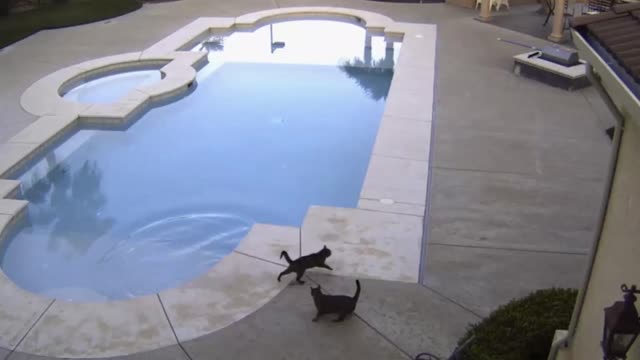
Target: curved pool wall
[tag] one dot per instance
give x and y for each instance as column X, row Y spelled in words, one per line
column 267, row 133
column 381, row 238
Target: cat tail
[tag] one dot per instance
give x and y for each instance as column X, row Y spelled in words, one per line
column 286, row 256
column 357, row 295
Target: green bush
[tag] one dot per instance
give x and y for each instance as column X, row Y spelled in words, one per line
column 522, row 329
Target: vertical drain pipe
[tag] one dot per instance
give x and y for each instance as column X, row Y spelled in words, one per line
column 617, row 136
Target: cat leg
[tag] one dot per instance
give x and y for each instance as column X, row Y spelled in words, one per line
column 341, row 317
column 299, row 277
column 326, row 266
column 317, row 317
column 287, row 271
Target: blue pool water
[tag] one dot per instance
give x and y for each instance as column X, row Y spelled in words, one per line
column 118, row 214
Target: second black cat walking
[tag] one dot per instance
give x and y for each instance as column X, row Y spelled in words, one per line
column 301, row 264
column 334, row 304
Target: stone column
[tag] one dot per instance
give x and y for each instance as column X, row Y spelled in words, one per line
column 367, row 50
column 557, row 32
column 388, row 55
column 485, row 11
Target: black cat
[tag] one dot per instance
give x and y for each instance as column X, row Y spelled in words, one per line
column 300, row 265
column 331, row 304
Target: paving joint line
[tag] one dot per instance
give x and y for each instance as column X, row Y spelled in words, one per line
column 30, row 328
column 258, row 258
column 395, row 202
column 355, row 313
column 399, row 158
column 172, row 329
column 389, row 212
column 532, row 175
column 452, row 301
column 383, row 335
column 542, row 251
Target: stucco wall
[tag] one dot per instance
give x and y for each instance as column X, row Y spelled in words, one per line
column 618, row 256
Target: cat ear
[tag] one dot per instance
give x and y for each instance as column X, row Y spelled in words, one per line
column 325, row 247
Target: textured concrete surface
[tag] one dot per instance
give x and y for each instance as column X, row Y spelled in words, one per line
column 411, row 316
column 166, row 353
column 365, row 243
column 283, row 330
column 480, row 279
column 235, row 287
column 547, row 147
column 502, row 210
column 107, row 328
column 19, row 311
column 268, row 241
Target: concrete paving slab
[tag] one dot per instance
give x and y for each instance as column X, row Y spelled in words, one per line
column 365, row 243
column 235, row 287
column 482, row 279
column 410, row 315
column 409, row 103
column 268, row 241
column 46, row 129
column 514, row 211
column 391, row 207
column 13, row 155
column 283, row 329
column 403, row 138
column 101, row 329
column 400, row 180
column 12, row 207
column 4, row 353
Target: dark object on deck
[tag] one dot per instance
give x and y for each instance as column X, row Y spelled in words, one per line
column 534, row 66
column 560, row 56
column 456, row 355
column 610, row 131
column 557, row 55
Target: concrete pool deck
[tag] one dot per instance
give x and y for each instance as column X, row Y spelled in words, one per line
column 517, row 172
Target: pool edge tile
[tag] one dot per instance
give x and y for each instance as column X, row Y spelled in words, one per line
column 45, row 129
column 365, row 244
column 266, row 241
column 397, row 179
column 13, row 155
column 9, row 188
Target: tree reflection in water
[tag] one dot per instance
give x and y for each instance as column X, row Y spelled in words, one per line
column 71, row 204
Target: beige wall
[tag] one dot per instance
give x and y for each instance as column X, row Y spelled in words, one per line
column 618, row 256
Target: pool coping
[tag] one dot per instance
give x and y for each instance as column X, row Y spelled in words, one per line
column 381, row 238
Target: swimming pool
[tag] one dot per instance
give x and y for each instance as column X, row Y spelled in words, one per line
column 282, row 118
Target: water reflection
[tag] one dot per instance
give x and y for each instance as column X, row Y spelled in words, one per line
column 71, row 204
column 368, row 77
column 212, row 44
column 308, row 42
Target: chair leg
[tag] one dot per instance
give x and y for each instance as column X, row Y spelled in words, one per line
column 547, row 19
